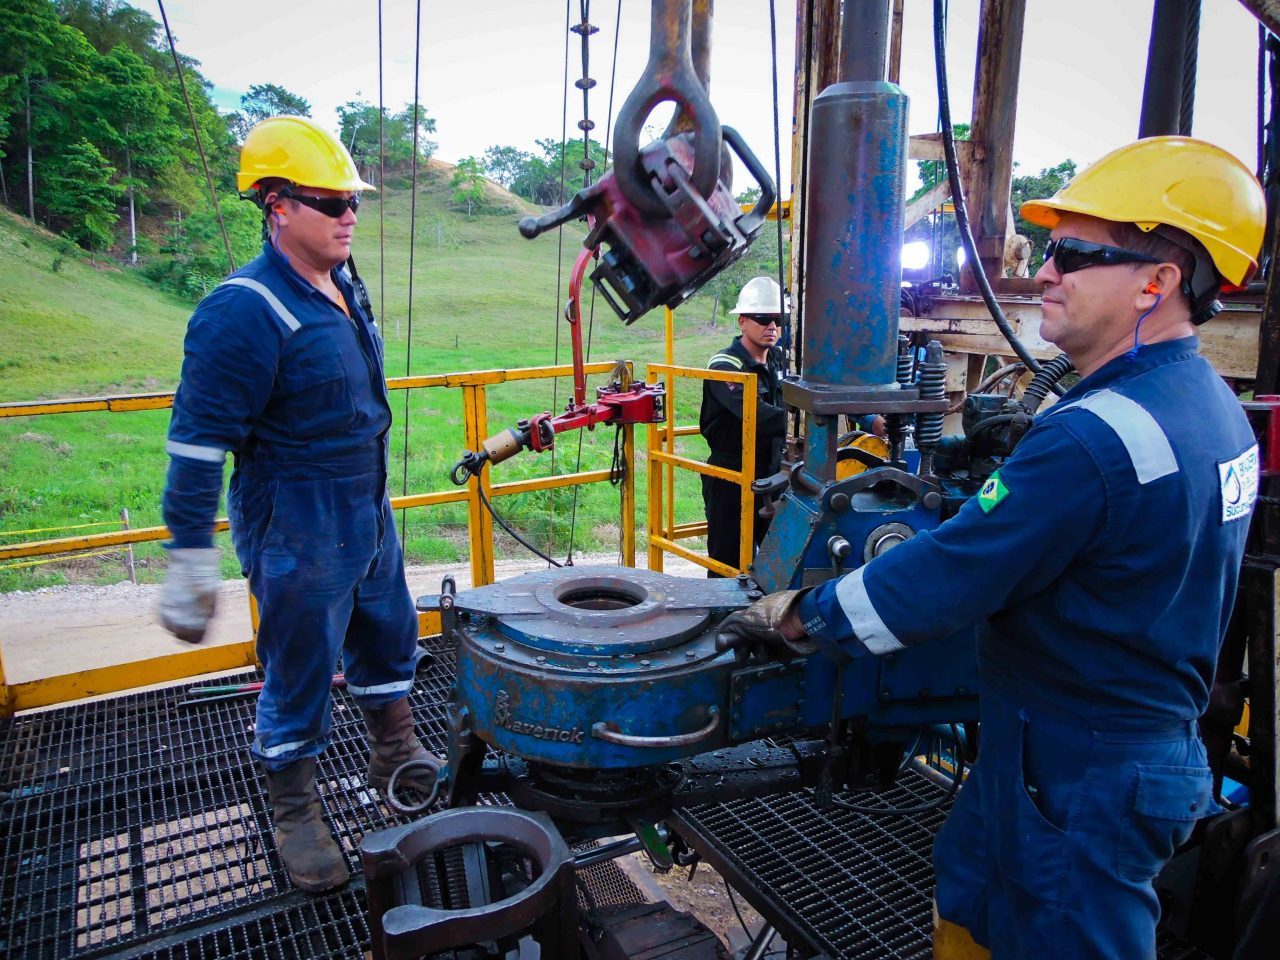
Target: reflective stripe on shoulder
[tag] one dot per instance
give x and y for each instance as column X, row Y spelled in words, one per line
column 281, row 311
column 1143, row 438
column 725, row 358
column 194, row 451
column 867, row 625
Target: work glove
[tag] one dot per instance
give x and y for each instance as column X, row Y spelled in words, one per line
column 762, row 623
column 190, row 592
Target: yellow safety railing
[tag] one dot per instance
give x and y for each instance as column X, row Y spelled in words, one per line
column 663, row 531
column 201, row 660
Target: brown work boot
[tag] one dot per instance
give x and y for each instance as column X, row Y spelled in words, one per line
column 310, row 854
column 393, row 742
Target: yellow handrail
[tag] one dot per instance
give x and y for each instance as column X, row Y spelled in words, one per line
column 189, row 663
column 663, row 531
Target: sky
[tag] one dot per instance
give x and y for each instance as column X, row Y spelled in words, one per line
column 492, row 71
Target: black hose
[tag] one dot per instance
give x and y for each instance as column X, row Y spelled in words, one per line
column 470, row 466
column 1049, row 374
column 957, row 197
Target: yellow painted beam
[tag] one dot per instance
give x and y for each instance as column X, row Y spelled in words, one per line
column 683, row 531
column 126, row 676
column 706, row 562
column 89, row 541
column 121, row 404
column 481, row 378
column 697, row 466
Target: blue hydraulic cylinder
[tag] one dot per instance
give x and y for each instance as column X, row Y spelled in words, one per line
column 853, row 234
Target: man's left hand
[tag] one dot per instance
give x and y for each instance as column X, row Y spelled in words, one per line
column 772, row 621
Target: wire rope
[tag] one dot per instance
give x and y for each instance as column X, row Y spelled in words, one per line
column 382, row 188
column 195, row 129
column 413, row 227
column 555, row 381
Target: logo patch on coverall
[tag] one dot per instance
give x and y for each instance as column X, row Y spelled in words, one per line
column 1238, row 479
column 992, row 492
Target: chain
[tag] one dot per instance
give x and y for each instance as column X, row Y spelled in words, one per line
column 584, row 29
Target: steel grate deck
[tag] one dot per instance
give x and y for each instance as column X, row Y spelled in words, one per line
column 857, row 887
column 132, row 827
column 136, row 827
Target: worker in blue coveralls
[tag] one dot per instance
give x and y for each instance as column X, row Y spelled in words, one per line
column 283, row 369
column 1100, row 564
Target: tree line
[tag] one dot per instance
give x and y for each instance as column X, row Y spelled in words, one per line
column 96, row 142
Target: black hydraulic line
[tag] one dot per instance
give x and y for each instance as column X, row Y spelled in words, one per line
column 1163, row 85
column 777, row 177
column 1050, row 373
column 1190, row 59
column 505, row 526
column 195, row 129
column 957, row 198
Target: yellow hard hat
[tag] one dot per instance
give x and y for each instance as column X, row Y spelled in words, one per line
column 300, row 151
column 1179, row 182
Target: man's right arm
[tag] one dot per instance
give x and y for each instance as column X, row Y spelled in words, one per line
column 232, row 350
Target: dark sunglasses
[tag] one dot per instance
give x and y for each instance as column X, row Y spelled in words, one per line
column 764, row 321
column 329, row 206
column 1069, row 255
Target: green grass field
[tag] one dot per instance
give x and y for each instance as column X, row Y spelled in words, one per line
column 483, row 298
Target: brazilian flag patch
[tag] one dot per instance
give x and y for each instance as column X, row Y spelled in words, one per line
column 992, row 493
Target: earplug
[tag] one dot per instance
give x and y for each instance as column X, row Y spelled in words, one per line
column 1151, row 288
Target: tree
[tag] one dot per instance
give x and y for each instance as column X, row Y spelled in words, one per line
column 131, row 124
column 468, row 184
column 504, row 165
column 80, row 197
column 262, row 101
column 1034, row 187
column 358, row 129
column 538, row 178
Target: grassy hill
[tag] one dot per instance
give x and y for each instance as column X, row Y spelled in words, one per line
column 483, row 298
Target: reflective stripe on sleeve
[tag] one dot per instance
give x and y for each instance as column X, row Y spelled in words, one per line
column 281, row 311
column 1143, row 438
column 726, row 358
column 866, row 623
column 194, row 451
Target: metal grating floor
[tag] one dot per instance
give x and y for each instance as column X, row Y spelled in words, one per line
column 856, row 887
column 134, row 827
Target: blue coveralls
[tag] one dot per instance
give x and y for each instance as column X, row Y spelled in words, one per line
column 279, row 376
column 1101, row 564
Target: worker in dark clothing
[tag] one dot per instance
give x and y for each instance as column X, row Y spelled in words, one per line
column 283, row 369
column 755, row 350
column 1100, row 564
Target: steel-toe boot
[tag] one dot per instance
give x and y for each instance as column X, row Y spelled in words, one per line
column 310, row 854
column 393, row 742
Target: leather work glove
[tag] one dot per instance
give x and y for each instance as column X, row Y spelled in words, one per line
column 190, row 592
column 762, row 622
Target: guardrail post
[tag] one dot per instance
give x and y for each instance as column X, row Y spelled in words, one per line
column 747, row 531
column 627, row 498
column 653, row 521
column 480, row 524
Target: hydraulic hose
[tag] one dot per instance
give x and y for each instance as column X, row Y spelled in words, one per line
column 957, row 197
column 1050, row 373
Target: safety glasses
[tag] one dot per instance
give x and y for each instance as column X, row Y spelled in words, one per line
column 1069, row 255
column 329, row 206
column 763, row 321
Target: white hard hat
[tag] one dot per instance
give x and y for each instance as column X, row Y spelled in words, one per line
column 760, row 296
